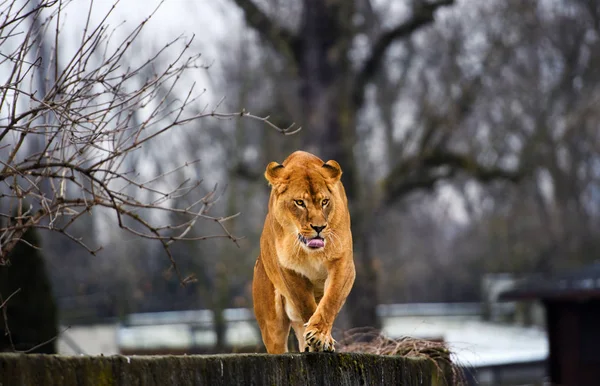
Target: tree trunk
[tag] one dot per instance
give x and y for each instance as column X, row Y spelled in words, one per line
column 331, row 93
column 330, row 131
column 220, row 298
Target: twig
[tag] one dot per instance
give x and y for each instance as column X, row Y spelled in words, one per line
column 9, row 297
column 44, row 343
column 100, row 108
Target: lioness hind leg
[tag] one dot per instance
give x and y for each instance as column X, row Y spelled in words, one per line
column 269, row 310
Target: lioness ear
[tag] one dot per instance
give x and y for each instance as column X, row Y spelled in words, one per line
column 333, row 170
column 274, row 173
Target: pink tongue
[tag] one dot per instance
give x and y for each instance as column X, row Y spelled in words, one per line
column 316, row 243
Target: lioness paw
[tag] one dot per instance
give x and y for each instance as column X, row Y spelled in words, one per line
column 317, row 341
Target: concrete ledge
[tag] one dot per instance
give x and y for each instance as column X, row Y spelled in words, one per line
column 339, row 369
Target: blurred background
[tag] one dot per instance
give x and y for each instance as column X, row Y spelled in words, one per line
column 468, row 135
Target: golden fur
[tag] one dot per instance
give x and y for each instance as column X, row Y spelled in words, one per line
column 301, row 280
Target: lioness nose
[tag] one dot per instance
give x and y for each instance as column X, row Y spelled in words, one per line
column 318, row 228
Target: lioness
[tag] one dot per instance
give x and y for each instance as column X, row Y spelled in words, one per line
column 305, row 269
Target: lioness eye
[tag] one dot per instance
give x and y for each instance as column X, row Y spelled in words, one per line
column 299, row 203
column 325, row 202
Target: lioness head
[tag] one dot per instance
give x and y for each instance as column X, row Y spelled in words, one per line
column 307, row 198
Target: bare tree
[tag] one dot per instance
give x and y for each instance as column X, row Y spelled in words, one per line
column 332, row 73
column 97, row 110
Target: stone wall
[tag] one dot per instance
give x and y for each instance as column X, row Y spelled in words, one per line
column 339, row 369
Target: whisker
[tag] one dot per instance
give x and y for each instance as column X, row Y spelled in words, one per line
column 334, row 237
column 298, row 246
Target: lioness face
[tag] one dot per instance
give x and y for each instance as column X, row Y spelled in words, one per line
column 306, row 203
column 309, row 203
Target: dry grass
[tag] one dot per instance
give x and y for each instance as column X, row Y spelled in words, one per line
column 374, row 342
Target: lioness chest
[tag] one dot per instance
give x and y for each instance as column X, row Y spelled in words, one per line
column 310, row 265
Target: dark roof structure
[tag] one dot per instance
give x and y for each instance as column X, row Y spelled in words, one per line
column 583, row 283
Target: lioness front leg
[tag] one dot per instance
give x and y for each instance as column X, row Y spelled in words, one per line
column 299, row 293
column 317, row 334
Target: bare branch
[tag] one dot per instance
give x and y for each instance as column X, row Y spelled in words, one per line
column 423, row 172
column 281, row 39
column 43, row 343
column 423, row 14
column 3, row 304
column 3, row 308
column 102, row 106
